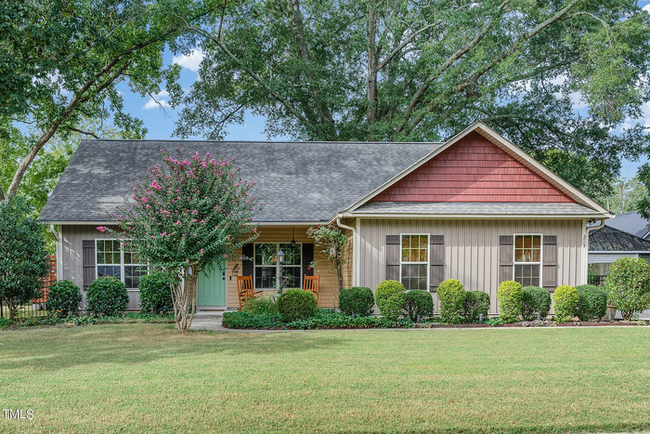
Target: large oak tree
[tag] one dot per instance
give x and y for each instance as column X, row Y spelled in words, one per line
column 421, row 70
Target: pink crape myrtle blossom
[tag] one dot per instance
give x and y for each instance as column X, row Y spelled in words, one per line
column 206, row 197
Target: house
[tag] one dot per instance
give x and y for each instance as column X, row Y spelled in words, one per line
column 474, row 208
column 608, row 244
column 632, row 223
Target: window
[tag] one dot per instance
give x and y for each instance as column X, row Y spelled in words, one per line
column 414, row 261
column 267, row 267
column 528, row 260
column 113, row 261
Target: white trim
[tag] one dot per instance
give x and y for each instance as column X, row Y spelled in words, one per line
column 474, row 216
column 354, row 248
column 356, row 273
column 254, row 223
column 121, row 264
column 277, row 265
column 427, row 263
column 59, row 255
column 541, row 255
column 620, row 252
column 505, row 145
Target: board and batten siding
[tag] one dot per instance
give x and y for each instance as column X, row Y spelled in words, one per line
column 471, row 249
column 71, row 259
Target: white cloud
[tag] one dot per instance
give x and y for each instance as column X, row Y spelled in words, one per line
column 577, row 101
column 191, row 62
column 157, row 101
column 646, row 8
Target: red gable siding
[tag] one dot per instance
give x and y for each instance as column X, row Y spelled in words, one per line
column 472, row 170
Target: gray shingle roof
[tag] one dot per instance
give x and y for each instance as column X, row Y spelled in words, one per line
column 630, row 222
column 608, row 239
column 297, row 181
column 478, row 208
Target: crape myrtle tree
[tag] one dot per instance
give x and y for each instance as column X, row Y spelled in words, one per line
column 23, row 257
column 190, row 213
column 408, row 70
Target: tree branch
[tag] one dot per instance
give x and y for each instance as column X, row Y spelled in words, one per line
column 417, row 97
column 87, row 133
column 254, row 76
column 507, row 53
column 79, row 98
column 401, row 46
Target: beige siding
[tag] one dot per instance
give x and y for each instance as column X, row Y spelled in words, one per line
column 71, row 267
column 471, row 248
column 284, row 234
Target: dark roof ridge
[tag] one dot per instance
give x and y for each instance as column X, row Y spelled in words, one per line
column 338, row 142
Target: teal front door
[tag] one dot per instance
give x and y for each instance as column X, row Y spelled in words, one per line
column 212, row 286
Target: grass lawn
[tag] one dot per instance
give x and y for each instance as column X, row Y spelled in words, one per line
column 141, row 378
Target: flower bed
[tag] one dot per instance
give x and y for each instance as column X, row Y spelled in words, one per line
column 323, row 319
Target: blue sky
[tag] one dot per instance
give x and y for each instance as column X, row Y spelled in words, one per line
column 160, row 121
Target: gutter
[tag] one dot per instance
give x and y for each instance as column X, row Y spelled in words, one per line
column 54, row 234
column 355, row 251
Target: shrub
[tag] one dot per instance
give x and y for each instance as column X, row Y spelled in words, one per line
column 296, row 304
column 535, row 300
column 592, row 302
column 155, row 294
column 23, row 258
column 64, row 298
column 356, row 300
column 262, row 306
column 418, row 302
column 627, row 285
column 509, row 295
column 565, row 301
column 107, row 296
column 390, row 295
column 451, row 295
column 475, row 304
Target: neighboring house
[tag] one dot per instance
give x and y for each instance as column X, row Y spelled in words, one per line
column 608, row 244
column 475, row 208
column 632, row 223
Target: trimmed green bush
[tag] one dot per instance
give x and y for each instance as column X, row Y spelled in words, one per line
column 592, row 302
column 535, row 300
column 296, row 304
column 261, row 306
column 509, row 295
column 356, row 300
column 451, row 295
column 565, row 302
column 107, row 296
column 628, row 286
column 155, row 294
column 418, row 302
column 390, row 295
column 63, row 298
column 475, row 304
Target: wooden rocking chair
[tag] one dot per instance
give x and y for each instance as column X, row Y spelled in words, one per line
column 311, row 284
column 245, row 290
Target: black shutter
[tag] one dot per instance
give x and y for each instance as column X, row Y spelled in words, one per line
column 247, row 252
column 392, row 257
column 436, row 261
column 88, row 256
column 506, row 252
column 307, row 258
column 549, row 262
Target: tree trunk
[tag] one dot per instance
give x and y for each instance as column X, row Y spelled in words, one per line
column 184, row 297
column 372, row 71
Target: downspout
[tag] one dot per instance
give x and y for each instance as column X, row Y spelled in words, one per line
column 585, row 245
column 354, row 249
column 57, row 243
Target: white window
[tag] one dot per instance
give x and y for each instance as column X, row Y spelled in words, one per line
column 414, row 261
column 528, row 260
column 113, row 261
column 267, row 268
